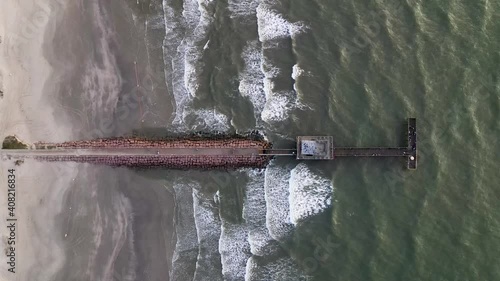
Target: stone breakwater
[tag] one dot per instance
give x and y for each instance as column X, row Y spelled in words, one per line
column 166, row 143
column 228, row 158
column 169, row 162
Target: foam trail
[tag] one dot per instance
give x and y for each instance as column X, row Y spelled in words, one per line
column 310, row 194
column 297, row 72
column 280, row 269
column 234, row 247
column 212, row 119
column 251, row 77
column 234, row 250
column 186, row 248
column 269, row 261
column 208, row 227
column 278, row 209
column 254, row 213
column 243, row 9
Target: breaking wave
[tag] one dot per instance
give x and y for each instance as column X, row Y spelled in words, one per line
column 278, row 207
column 271, row 207
column 274, row 33
column 185, row 42
column 310, row 194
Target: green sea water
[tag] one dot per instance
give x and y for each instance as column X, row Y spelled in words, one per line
column 370, row 65
column 373, row 64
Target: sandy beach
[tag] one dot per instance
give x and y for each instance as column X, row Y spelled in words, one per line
column 70, row 216
column 25, row 28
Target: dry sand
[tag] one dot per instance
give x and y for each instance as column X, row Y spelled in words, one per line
column 25, row 28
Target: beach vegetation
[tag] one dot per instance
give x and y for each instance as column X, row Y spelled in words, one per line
column 12, row 142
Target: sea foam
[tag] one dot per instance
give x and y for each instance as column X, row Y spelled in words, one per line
column 251, row 77
column 272, row 25
column 281, row 269
column 278, row 208
column 185, row 38
column 186, row 248
column 254, row 213
column 208, row 227
column 274, row 29
column 234, row 250
column 310, row 194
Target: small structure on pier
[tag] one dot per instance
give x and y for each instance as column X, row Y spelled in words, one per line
column 315, row 148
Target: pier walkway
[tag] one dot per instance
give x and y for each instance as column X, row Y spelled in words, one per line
column 203, row 151
column 370, row 151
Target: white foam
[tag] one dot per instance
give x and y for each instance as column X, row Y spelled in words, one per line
column 192, row 66
column 251, row 77
column 297, row 71
column 254, row 213
column 185, row 41
column 271, row 25
column 278, row 107
column 242, row 8
column 212, row 120
column 190, row 14
column 281, row 269
column 208, row 227
column 310, row 194
column 278, row 209
column 234, row 250
column 261, row 242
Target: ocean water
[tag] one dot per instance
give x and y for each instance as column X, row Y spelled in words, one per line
column 351, row 69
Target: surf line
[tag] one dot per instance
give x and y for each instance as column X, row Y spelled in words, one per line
column 138, row 87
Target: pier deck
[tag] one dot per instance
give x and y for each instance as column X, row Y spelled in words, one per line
column 370, row 151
